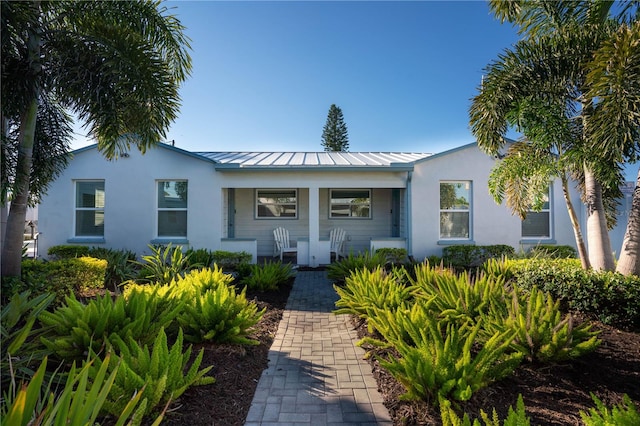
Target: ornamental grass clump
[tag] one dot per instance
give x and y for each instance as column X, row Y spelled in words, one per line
column 457, row 298
column 365, row 289
column 164, row 264
column 78, row 403
column 75, row 328
column 517, row 417
column 340, row 270
column 213, row 311
column 542, row 334
column 20, row 347
column 441, row 361
column 623, row 414
column 268, row 276
column 160, row 373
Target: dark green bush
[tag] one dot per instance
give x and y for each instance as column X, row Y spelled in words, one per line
column 468, row 256
column 549, row 251
column 394, row 256
column 66, row 251
column 120, row 265
column 268, row 276
column 608, row 296
column 340, row 270
column 62, row 277
column 201, row 257
column 231, row 261
column 164, row 264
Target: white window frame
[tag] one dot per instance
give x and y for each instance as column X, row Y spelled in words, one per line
column 468, row 211
column 170, row 209
column 94, row 209
column 257, row 203
column 549, row 211
column 369, row 204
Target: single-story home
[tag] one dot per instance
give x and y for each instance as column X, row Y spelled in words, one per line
column 234, row 201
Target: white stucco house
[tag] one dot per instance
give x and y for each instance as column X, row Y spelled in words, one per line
column 234, row 200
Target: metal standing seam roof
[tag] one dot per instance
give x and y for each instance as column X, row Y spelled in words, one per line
column 313, row 159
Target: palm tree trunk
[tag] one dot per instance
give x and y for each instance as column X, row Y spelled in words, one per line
column 577, row 232
column 600, row 253
column 14, row 236
column 629, row 262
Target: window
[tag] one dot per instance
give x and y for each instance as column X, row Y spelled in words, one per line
column 276, row 203
column 172, row 208
column 350, row 203
column 89, row 208
column 538, row 223
column 455, row 209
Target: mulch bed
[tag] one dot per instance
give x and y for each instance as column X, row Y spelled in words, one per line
column 553, row 394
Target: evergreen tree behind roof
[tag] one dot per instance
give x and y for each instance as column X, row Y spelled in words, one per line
column 334, row 134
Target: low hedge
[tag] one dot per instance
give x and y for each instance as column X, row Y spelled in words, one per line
column 469, row 256
column 67, row 251
column 608, row 296
column 62, row 277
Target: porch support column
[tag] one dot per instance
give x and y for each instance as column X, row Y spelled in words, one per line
column 314, row 226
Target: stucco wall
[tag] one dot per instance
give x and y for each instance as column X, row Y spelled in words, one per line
column 130, row 199
column 490, row 223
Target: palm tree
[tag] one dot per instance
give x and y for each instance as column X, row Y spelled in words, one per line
column 116, row 65
column 550, row 70
column 616, row 75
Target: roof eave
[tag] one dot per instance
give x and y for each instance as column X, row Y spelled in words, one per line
column 389, row 168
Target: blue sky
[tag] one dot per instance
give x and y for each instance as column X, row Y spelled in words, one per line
column 265, row 73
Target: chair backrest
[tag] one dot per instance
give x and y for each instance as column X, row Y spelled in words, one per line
column 336, row 236
column 281, row 235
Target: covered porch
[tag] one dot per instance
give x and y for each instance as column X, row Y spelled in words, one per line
column 371, row 218
column 309, row 194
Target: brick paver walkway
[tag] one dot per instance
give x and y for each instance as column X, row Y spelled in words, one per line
column 316, row 374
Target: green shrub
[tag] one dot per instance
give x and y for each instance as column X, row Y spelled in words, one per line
column 20, row 347
column 160, row 374
column 393, row 256
column 75, row 328
column 365, row 290
column 228, row 260
column 67, row 251
column 164, row 264
column 268, row 276
column 201, row 257
column 608, row 296
column 120, row 265
column 624, row 414
column 468, row 256
column 541, row 332
column 516, row 417
column 340, row 270
column 231, row 261
column 79, row 403
column 440, row 362
column 217, row 314
column 549, row 251
column 62, row 277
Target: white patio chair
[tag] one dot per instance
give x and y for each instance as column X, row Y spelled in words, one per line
column 282, row 244
column 337, row 237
